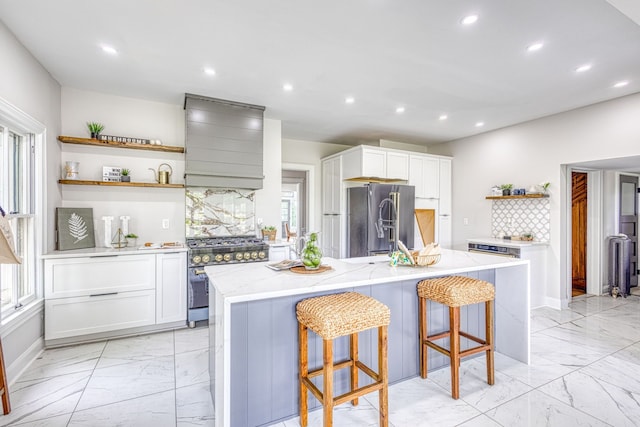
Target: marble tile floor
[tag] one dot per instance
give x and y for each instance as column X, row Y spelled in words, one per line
column 585, row 371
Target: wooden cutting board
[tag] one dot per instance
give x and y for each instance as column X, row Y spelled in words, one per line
column 426, row 219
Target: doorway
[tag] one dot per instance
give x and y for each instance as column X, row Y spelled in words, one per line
column 293, row 202
column 578, row 233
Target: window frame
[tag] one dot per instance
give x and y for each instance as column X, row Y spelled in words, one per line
column 34, row 132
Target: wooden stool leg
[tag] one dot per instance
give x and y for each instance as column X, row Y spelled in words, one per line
column 6, row 405
column 422, row 311
column 303, row 355
column 488, row 307
column 454, row 338
column 354, row 369
column 327, row 378
column 384, row 376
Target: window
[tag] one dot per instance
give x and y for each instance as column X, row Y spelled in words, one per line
column 17, row 198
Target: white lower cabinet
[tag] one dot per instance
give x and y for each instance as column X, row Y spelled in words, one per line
column 171, row 287
column 99, row 294
column 68, row 317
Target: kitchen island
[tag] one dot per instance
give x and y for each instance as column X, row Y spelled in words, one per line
column 253, row 327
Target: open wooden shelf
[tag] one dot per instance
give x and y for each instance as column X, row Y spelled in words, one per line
column 524, row 196
column 119, row 184
column 131, row 145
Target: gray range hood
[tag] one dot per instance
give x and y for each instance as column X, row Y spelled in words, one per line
column 223, row 145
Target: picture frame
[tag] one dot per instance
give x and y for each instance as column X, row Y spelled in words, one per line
column 74, row 228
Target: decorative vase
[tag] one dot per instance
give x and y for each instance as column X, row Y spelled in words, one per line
column 506, row 192
column 125, row 178
column 71, row 170
column 311, row 255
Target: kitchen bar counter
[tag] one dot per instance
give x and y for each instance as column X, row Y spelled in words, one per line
column 253, row 328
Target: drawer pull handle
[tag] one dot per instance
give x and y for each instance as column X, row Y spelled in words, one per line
column 103, row 295
column 103, row 256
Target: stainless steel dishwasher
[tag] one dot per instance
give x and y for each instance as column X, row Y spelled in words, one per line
column 504, row 251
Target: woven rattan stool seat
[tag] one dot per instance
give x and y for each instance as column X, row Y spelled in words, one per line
column 337, row 315
column 456, row 291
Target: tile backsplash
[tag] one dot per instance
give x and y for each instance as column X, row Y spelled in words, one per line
column 215, row 212
column 513, row 217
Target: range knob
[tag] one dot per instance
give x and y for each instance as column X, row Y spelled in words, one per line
column 197, row 259
column 218, row 257
column 247, row 256
column 239, row 256
column 206, row 258
column 261, row 255
column 227, row 257
column 254, row 255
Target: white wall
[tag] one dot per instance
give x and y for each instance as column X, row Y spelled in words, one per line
column 130, row 117
column 268, row 198
column 26, row 85
column 530, row 153
column 311, row 153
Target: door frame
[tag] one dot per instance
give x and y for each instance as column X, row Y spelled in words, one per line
column 594, row 233
column 311, row 194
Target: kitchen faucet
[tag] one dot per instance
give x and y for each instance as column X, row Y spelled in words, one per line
column 388, row 224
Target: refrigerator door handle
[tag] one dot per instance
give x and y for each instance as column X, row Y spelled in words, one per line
column 395, row 198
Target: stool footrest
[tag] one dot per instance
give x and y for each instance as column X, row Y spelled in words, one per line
column 336, row 367
column 350, row 395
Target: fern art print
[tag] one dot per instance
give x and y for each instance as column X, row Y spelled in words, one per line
column 75, row 228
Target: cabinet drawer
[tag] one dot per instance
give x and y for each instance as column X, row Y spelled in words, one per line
column 72, row 277
column 68, row 317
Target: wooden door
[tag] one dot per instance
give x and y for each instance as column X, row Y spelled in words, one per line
column 629, row 220
column 579, row 232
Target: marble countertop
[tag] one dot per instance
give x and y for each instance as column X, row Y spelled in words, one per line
column 255, row 281
column 96, row 252
column 506, row 243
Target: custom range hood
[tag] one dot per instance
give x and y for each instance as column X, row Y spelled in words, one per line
column 223, row 145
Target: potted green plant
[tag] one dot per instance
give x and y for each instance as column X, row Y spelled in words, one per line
column 506, row 189
column 124, row 175
column 544, row 186
column 95, row 128
column 269, row 232
column 132, row 240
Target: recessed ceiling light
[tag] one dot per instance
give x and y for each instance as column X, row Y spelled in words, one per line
column 108, row 49
column 209, row 71
column 443, row 117
column 349, row 100
column 479, row 124
column 468, row 20
column 622, row 83
column 400, row 110
column 287, row 87
column 583, row 68
column 535, row 46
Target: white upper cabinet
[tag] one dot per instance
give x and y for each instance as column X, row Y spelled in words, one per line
column 332, row 185
column 372, row 162
column 424, row 174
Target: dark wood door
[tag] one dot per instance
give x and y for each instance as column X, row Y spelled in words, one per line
column 629, row 220
column 579, row 231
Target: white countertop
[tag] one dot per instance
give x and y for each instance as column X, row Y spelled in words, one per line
column 96, row 252
column 506, row 243
column 255, row 281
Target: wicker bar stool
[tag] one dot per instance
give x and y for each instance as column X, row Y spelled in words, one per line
column 454, row 292
column 334, row 316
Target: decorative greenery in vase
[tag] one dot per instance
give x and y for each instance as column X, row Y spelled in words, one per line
column 311, row 255
column 544, row 186
column 132, row 240
column 506, row 189
column 269, row 231
column 95, row 128
column 125, row 175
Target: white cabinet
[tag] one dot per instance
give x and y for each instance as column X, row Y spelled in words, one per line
column 332, row 185
column 171, row 287
column 424, row 174
column 331, row 240
column 105, row 293
column 371, row 162
column 445, row 186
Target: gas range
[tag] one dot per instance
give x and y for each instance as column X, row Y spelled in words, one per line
column 226, row 250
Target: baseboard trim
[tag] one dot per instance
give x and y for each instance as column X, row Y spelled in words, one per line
column 25, row 360
column 553, row 303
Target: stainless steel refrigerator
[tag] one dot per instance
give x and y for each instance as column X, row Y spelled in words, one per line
column 375, row 213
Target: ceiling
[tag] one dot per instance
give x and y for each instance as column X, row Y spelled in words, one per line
column 386, row 54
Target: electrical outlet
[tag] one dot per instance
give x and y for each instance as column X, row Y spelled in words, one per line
column 165, row 224
column 465, row 221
